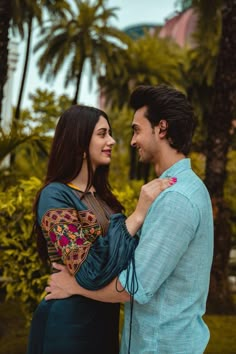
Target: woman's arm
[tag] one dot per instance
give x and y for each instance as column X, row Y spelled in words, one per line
column 149, row 192
column 67, row 237
column 62, row 285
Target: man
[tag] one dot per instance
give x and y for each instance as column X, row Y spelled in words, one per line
column 174, row 255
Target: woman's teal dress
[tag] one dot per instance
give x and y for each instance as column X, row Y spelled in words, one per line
column 95, row 245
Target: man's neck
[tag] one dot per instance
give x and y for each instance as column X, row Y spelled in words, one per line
column 167, row 161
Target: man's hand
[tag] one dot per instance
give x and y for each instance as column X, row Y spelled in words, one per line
column 62, row 284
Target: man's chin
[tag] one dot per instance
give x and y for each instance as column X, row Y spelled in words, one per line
column 143, row 160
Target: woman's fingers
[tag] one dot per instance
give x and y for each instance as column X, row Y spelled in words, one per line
column 154, row 187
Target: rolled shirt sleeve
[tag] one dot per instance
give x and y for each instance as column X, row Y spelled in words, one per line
column 166, row 234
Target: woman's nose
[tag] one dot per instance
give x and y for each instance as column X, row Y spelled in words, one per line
column 111, row 141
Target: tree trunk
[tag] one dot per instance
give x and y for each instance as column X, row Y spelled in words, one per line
column 75, row 100
column 5, row 16
column 18, row 107
column 218, row 141
column 27, row 54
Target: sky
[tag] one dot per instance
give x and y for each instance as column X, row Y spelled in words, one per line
column 131, row 12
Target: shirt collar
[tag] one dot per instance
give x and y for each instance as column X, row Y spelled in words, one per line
column 178, row 167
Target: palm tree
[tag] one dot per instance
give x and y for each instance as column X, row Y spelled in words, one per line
column 5, row 16
column 23, row 17
column 86, row 35
column 219, row 141
column 213, row 72
column 149, row 60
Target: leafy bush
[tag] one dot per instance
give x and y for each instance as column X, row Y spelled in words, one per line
column 128, row 195
column 23, row 274
column 230, row 191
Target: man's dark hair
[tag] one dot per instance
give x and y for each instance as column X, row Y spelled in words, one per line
column 166, row 103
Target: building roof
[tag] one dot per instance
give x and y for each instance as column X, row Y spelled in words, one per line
column 180, row 27
column 137, row 31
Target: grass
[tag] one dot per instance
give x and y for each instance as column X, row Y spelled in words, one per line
column 13, row 333
column 222, row 329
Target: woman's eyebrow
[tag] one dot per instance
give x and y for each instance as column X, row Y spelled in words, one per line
column 104, row 130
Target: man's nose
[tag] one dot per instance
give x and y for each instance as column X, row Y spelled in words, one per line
column 133, row 142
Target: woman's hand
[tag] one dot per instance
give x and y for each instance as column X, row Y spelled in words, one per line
column 149, row 192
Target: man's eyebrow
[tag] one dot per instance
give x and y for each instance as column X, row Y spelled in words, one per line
column 134, row 126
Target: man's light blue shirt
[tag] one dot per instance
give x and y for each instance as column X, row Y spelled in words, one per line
column 173, row 262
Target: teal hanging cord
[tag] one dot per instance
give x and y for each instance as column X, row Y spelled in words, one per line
column 131, row 290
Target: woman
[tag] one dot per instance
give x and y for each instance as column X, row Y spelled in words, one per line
column 79, row 223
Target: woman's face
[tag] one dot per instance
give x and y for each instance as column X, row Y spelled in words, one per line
column 101, row 144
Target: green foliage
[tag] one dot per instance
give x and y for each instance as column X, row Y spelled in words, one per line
column 46, row 108
column 222, row 334
column 86, row 34
column 39, row 123
column 121, row 131
column 24, row 275
column 24, row 10
column 198, row 164
column 230, row 190
column 128, row 195
column 13, row 331
column 201, row 62
column 9, row 141
column 148, row 60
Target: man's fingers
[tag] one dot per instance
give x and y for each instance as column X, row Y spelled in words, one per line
column 58, row 266
column 48, row 289
column 49, row 297
column 51, row 281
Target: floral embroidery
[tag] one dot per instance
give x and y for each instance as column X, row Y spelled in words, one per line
column 72, row 233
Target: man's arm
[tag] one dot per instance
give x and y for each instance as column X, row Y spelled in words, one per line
column 63, row 284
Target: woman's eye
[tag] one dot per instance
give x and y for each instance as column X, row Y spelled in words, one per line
column 102, row 135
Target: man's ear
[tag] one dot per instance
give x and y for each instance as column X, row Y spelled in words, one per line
column 162, row 127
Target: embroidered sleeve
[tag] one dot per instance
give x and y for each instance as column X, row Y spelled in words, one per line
column 72, row 233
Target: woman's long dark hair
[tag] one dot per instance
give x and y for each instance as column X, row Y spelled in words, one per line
column 71, row 141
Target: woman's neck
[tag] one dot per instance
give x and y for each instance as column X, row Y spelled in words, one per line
column 81, row 180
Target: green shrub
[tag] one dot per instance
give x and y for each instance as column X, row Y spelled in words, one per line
column 128, row 195
column 23, row 274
